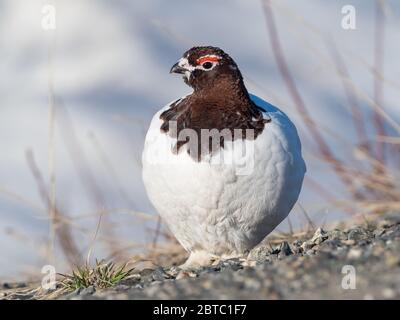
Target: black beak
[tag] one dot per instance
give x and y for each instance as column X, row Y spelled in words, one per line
column 176, row 68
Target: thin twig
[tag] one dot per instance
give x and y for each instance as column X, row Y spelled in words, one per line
column 378, row 71
column 297, row 99
column 63, row 231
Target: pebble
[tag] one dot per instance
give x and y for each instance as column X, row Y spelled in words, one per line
column 393, row 261
column 354, row 254
column 88, row 290
column 6, row 285
column 384, row 223
column 146, row 272
column 259, row 253
column 337, row 235
column 297, row 243
column 334, row 243
column 378, row 232
column 357, row 234
column 121, row 287
column 159, row 274
column 233, row 264
column 249, row 263
column 17, row 285
column 173, row 271
column 186, row 274
column 319, row 236
column 310, row 252
column 285, row 249
column 72, row 294
column 307, row 245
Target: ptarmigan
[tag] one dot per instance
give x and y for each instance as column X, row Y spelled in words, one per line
column 221, row 166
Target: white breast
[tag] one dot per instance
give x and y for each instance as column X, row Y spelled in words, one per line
column 225, row 207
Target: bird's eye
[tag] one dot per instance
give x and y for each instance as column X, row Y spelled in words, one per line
column 207, row 65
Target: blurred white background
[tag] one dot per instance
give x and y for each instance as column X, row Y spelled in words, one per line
column 108, row 64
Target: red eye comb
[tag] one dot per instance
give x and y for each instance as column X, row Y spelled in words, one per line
column 207, row 59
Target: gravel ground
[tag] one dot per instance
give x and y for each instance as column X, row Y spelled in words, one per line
column 317, row 266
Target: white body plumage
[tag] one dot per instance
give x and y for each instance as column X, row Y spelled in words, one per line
column 214, row 208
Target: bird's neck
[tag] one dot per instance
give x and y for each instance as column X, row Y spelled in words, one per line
column 228, row 91
column 224, row 104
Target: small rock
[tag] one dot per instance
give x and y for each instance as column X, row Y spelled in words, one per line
column 186, row 274
column 159, row 274
column 87, row 291
column 252, row 284
column 236, row 267
column 319, row 236
column 249, row 263
column 290, row 275
column 275, row 250
column 120, row 296
column 333, row 244
column 146, row 272
column 297, row 243
column 337, row 235
column 310, row 252
column 172, row 272
column 349, row 242
column 208, row 270
column 384, row 223
column 121, row 287
column 378, row 232
column 285, row 249
column 354, row 254
column 357, row 234
column 146, row 275
column 392, row 261
column 208, row 284
column 72, row 294
column 233, row 264
column 326, row 254
column 259, row 253
column 6, row 285
column 307, row 245
column 17, row 285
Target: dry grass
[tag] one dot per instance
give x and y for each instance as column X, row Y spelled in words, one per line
column 370, row 178
column 102, row 275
